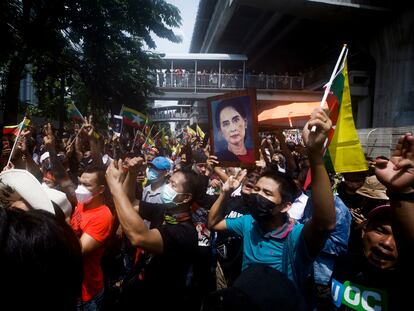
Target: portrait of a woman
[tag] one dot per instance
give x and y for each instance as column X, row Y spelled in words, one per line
column 231, row 120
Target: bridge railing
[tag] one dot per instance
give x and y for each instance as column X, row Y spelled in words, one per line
column 228, row 81
column 170, row 115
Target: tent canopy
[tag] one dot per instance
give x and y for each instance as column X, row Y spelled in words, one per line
column 287, row 115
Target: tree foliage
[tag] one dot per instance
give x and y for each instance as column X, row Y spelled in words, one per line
column 94, row 52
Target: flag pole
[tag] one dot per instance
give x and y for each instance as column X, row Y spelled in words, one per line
column 149, row 133
column 135, row 139
column 329, row 84
column 15, row 142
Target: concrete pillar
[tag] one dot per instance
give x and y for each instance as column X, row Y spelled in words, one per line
column 363, row 119
column 393, row 50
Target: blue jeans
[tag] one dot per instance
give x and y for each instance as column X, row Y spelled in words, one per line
column 95, row 304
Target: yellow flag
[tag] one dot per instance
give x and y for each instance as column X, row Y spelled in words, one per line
column 345, row 150
column 190, row 131
column 200, row 132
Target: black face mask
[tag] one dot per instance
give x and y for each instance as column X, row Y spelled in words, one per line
column 246, row 197
column 260, row 207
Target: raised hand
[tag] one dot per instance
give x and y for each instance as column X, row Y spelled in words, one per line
column 115, row 175
column 314, row 141
column 233, row 182
column 49, row 139
column 135, row 165
column 212, row 161
column 397, row 174
column 88, row 127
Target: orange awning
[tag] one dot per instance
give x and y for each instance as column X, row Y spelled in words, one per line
column 287, row 115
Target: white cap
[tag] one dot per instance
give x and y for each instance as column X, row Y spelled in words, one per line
column 60, row 199
column 18, row 184
column 44, row 156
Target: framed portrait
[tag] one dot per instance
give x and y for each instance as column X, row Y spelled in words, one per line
column 233, row 128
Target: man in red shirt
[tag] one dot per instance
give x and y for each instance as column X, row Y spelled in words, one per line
column 92, row 223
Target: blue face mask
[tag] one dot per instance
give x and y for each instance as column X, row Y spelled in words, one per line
column 152, row 174
column 168, row 194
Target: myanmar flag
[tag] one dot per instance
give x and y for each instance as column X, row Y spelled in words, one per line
column 74, row 113
column 14, row 129
column 344, row 153
column 132, row 117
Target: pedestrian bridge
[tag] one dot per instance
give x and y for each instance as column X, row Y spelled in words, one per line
column 196, row 76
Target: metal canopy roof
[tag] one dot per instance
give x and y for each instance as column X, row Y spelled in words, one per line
column 205, row 56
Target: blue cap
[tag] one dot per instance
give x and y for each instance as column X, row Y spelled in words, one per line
column 161, row 163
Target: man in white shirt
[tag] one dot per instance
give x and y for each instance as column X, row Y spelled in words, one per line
column 296, row 211
column 157, row 172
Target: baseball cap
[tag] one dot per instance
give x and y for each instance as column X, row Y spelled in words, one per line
column 373, row 189
column 16, row 184
column 161, row 163
column 383, row 211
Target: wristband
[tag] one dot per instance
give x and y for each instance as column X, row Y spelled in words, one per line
column 400, row 196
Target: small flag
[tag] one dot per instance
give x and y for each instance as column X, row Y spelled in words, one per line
column 74, row 113
column 163, row 140
column 191, row 132
column 14, row 129
column 343, row 153
column 200, row 132
column 133, row 117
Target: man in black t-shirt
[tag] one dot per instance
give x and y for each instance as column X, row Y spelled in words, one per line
column 371, row 278
column 230, row 247
column 171, row 246
column 380, row 276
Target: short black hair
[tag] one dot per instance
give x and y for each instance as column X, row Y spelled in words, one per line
column 40, row 261
column 99, row 170
column 190, row 184
column 287, row 187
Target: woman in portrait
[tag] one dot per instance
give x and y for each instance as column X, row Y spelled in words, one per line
column 231, row 122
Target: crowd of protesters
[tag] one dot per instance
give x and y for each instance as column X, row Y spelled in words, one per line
column 228, row 78
column 90, row 220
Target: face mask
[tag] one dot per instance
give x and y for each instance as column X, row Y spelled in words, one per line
column 260, row 207
column 168, row 194
column 152, row 175
column 83, row 195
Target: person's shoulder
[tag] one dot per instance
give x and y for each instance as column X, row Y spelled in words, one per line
column 245, row 219
column 103, row 210
column 183, row 230
column 235, row 207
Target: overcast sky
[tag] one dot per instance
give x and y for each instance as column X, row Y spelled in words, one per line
column 188, row 9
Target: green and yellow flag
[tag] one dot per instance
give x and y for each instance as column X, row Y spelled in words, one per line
column 74, row 113
column 344, row 153
column 132, row 117
column 200, row 132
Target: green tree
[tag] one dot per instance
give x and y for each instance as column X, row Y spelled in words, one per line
column 91, row 51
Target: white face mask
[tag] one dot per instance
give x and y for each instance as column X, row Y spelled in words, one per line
column 83, row 195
